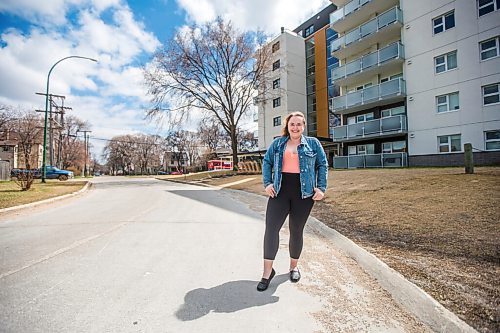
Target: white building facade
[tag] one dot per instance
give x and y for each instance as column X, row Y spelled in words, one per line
column 452, row 72
column 418, row 80
column 286, row 90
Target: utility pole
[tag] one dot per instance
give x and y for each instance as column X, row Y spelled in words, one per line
column 85, row 140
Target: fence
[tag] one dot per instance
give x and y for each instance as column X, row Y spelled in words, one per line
column 4, row 170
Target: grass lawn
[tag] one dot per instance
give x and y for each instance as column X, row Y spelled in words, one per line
column 11, row 194
column 439, row 227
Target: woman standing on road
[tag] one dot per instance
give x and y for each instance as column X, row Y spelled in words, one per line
column 294, row 172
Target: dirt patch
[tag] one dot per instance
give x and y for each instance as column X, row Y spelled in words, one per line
column 437, row 226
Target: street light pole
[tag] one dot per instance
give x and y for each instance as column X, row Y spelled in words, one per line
column 47, row 110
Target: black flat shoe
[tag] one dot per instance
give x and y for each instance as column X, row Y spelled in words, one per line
column 295, row 276
column 264, row 283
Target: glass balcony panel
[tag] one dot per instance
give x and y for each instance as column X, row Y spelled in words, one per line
column 340, row 133
column 369, row 60
column 353, row 67
column 357, row 161
column 354, row 98
column 338, row 73
column 350, row 7
column 389, row 52
column 368, row 28
column 339, row 102
column 370, row 94
column 372, row 127
column 388, row 17
column 336, row 15
column 391, row 87
column 341, row 162
column 393, row 123
column 337, row 43
column 352, row 36
column 394, row 160
column 355, row 130
column 373, row 161
column 362, row 2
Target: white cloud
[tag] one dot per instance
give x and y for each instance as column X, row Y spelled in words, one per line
column 252, row 15
column 109, row 94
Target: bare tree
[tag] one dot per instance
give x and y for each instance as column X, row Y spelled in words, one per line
column 72, row 148
column 29, row 131
column 213, row 67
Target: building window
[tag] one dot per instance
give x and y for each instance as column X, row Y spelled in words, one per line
column 276, row 65
column 276, row 84
column 309, row 30
column 392, row 112
column 276, row 46
column 449, row 143
column 489, row 48
column 394, row 147
column 447, row 102
column 487, row 6
column 446, row 62
column 276, row 102
column 491, row 94
column 492, row 140
column 276, row 121
column 444, row 22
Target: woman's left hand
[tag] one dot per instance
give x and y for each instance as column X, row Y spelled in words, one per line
column 318, row 194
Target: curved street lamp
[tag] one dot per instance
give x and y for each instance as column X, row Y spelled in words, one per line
column 47, row 110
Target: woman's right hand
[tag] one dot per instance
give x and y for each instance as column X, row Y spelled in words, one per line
column 270, row 190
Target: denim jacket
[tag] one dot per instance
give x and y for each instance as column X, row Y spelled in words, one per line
column 312, row 163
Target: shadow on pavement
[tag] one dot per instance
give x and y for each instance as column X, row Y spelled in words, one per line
column 228, row 297
column 220, row 199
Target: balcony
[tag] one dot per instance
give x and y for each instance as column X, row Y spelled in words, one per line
column 356, row 12
column 391, row 160
column 339, row 3
column 381, row 28
column 383, row 127
column 385, row 93
column 385, row 60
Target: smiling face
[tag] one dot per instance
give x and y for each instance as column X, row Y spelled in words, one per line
column 296, row 127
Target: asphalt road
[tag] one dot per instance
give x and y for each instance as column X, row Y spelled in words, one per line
column 143, row 255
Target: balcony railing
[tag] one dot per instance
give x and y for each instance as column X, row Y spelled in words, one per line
column 369, row 61
column 388, row 89
column 391, row 160
column 377, row 23
column 371, row 128
column 349, row 7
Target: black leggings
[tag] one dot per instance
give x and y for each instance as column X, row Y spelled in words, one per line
column 289, row 203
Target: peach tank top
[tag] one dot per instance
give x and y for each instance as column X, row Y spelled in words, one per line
column 290, row 162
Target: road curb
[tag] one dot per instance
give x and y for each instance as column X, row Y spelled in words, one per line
column 414, row 299
column 41, row 202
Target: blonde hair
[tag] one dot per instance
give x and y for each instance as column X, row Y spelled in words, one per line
column 284, row 130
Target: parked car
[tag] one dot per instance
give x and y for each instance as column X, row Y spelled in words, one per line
column 51, row 172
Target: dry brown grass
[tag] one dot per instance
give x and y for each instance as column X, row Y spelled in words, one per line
column 439, row 227
column 11, row 194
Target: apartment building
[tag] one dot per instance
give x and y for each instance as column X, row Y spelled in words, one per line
column 393, row 83
column 452, row 74
column 301, row 80
column 418, row 79
column 284, row 89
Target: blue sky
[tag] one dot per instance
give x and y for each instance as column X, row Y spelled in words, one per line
column 123, row 35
